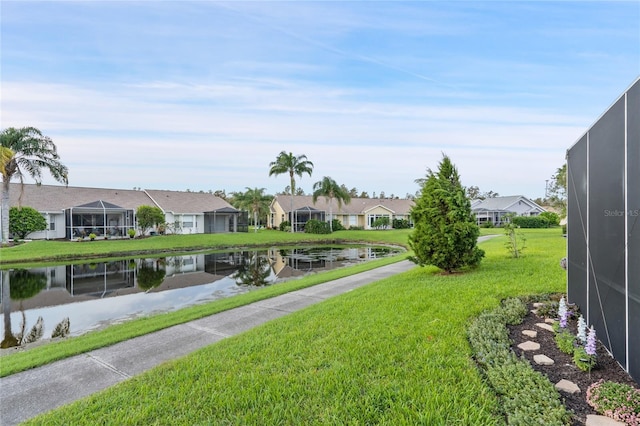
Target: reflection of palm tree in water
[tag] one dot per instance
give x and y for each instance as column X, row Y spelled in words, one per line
column 9, row 339
column 24, row 286
column 254, row 271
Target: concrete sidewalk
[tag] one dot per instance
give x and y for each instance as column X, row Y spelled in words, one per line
column 27, row 394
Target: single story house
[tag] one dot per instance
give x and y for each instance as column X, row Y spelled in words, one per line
column 494, row 210
column 360, row 212
column 75, row 212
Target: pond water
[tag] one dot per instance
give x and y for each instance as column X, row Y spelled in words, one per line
column 95, row 294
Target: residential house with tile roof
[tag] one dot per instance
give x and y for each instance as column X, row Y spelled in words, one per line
column 494, row 210
column 360, row 212
column 76, row 212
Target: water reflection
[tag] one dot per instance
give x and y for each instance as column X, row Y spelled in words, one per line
column 94, row 294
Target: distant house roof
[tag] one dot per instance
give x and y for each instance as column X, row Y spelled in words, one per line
column 187, row 202
column 357, row 206
column 503, row 203
column 52, row 198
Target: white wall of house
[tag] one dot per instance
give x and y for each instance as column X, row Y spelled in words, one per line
column 55, row 227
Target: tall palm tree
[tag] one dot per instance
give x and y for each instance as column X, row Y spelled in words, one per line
column 254, row 200
column 329, row 189
column 294, row 165
column 26, row 150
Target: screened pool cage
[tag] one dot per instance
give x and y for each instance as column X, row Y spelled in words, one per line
column 99, row 218
column 603, row 225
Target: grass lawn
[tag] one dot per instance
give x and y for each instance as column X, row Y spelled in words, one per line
column 393, row 352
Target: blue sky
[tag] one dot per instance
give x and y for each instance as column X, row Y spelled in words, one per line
column 203, row 95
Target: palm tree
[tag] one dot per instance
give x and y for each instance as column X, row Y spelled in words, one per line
column 26, row 150
column 329, row 189
column 254, row 200
column 294, row 165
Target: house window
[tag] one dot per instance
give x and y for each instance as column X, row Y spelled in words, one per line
column 187, row 222
column 52, row 225
column 353, row 220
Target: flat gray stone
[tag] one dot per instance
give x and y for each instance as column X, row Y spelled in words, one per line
column 534, row 311
column 549, row 320
column 595, row 420
column 530, row 333
column 529, row 346
column 567, row 386
column 542, row 360
column 544, row 326
column 538, row 305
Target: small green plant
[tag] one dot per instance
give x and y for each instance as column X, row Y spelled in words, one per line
column 131, row 233
column 515, row 240
column 92, row 236
column 565, row 341
column 583, row 360
column 616, row 400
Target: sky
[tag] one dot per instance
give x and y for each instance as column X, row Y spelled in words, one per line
column 203, row 95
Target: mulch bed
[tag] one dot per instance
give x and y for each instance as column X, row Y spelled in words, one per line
column 607, row 368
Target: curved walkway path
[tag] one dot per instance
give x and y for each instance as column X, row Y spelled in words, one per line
column 27, row 394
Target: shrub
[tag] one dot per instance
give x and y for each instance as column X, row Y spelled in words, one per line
column 616, row 400
column 487, row 224
column 25, row 220
column 552, row 218
column 337, row 225
column 530, row 221
column 381, row 222
column 400, row 224
column 314, row 226
column 131, row 233
column 92, row 236
column 148, row 217
column 285, row 226
column 356, row 228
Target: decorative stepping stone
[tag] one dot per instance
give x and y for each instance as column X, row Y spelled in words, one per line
column 549, row 320
column 595, row 420
column 530, row 333
column 538, row 305
column 542, row 360
column 567, row 386
column 529, row 346
column 544, row 326
column 534, row 311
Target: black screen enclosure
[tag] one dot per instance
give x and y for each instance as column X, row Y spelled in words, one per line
column 603, row 228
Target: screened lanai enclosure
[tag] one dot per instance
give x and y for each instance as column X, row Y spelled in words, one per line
column 303, row 215
column 603, row 224
column 99, row 218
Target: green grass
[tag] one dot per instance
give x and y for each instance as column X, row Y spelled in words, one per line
column 393, row 352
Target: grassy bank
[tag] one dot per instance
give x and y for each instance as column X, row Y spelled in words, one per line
column 44, row 251
column 393, row 352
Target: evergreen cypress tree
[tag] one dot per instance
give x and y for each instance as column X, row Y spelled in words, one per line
column 445, row 233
